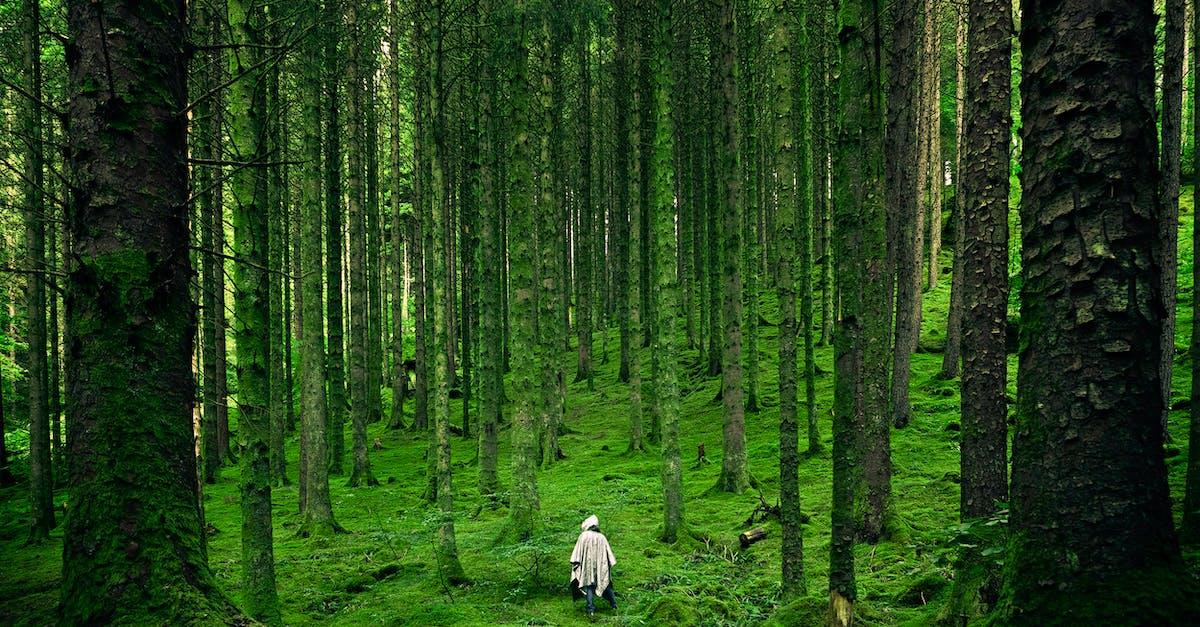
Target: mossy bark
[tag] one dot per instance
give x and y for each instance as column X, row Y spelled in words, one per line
column 41, row 477
column 584, row 235
column 334, row 238
column 633, row 285
column 1171, row 154
column 314, row 415
column 251, row 279
column 360, row 354
column 734, row 474
column 132, row 550
column 788, row 193
column 666, row 275
column 1091, row 532
column 523, row 506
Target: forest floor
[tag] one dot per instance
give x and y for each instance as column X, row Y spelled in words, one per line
column 384, row 571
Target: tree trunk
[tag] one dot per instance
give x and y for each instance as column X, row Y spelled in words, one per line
column 904, row 103
column 952, row 354
column 1172, row 114
column 523, row 506
column 318, row 511
column 1190, row 527
column 126, row 380
column 360, row 355
column 783, row 87
column 1090, row 502
column 41, row 477
column 734, row 475
column 334, row 240
column 985, row 183
column 247, row 103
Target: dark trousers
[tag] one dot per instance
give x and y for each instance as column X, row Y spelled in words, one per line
column 590, row 593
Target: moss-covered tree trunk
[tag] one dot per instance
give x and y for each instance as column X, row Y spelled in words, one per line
column 129, row 383
column 334, row 237
column 360, row 355
column 985, row 187
column 251, row 327
column 633, row 231
column 623, row 104
column 930, row 137
column 788, row 194
column 1091, row 537
column 277, row 321
column 41, row 477
column 666, row 275
column 734, row 475
column 750, row 95
column 584, row 235
column 549, row 214
column 207, row 185
column 419, row 226
column 314, row 415
column 907, row 218
column 491, row 344
column 523, row 505
column 818, row 23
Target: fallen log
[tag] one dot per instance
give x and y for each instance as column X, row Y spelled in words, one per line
column 750, row 537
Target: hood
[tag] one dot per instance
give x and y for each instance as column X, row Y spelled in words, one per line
column 591, row 521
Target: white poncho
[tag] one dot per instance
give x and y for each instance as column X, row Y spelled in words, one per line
column 591, row 559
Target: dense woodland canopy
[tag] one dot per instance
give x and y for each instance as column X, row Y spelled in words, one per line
column 350, row 311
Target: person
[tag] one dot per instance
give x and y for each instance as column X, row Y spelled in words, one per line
column 591, row 566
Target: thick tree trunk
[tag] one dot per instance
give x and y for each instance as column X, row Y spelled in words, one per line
column 128, row 381
column 1090, row 503
column 666, row 274
column 734, row 475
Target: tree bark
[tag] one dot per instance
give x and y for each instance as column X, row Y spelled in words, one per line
column 1090, row 503
column 1172, row 115
column 128, row 381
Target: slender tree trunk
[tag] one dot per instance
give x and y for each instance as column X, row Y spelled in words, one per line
column 399, row 375
column 491, row 346
column 1090, row 502
column 734, row 475
column 360, row 356
column 127, row 379
column 584, row 236
column 247, row 102
column 277, row 276
column 903, row 105
column 549, row 319
column 1172, row 149
column 782, row 95
column 622, row 18
column 523, row 506
column 318, row 511
column 334, row 239
column 1190, row 528
column 931, row 139
column 633, row 231
column 952, row 354
column 985, row 183
column 41, row 477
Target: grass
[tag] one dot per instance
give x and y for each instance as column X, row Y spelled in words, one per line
column 384, row 570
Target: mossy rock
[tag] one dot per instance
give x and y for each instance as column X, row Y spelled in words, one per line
column 673, row 609
column 921, row 591
column 810, row 610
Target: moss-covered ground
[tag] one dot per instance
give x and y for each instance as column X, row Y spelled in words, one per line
column 384, row 570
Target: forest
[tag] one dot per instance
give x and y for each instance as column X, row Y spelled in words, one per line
column 832, row 312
